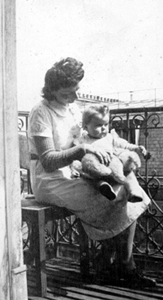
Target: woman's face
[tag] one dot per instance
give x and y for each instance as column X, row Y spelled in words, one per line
column 65, row 96
column 98, row 127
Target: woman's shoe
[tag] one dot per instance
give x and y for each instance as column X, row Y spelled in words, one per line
column 130, row 279
column 135, row 279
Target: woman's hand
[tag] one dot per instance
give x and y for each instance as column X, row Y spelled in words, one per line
column 102, row 155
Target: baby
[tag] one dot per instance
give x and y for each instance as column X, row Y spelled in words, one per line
column 124, row 161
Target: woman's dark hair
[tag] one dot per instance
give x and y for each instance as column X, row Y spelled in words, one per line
column 92, row 111
column 63, row 74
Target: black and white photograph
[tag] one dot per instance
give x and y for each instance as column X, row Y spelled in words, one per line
column 81, row 150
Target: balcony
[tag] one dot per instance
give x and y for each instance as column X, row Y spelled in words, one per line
column 137, row 125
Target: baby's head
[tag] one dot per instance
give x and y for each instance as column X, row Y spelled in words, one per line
column 96, row 120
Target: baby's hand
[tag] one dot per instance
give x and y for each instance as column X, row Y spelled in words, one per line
column 144, row 152
column 75, row 174
column 76, row 168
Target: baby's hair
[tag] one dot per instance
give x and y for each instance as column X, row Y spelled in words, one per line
column 93, row 110
column 63, row 74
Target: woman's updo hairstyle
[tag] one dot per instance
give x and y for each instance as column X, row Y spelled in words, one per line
column 63, row 74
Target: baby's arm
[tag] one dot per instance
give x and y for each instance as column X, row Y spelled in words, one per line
column 141, row 150
column 122, row 143
column 144, row 152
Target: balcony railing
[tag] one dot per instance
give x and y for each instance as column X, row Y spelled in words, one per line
column 145, row 126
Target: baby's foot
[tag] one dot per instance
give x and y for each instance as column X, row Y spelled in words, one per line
column 107, row 190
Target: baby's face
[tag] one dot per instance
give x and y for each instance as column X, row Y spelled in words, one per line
column 98, row 127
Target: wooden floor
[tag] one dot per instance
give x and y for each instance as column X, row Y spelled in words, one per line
column 64, row 282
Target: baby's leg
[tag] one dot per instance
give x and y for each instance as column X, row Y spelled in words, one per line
column 106, row 189
column 91, row 166
column 133, row 187
column 117, row 172
column 116, row 168
column 129, row 181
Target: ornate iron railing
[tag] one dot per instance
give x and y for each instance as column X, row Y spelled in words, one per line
column 145, row 126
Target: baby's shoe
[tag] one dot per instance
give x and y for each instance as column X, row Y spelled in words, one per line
column 107, row 190
column 135, row 199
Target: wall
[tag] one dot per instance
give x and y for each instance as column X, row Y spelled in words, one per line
column 12, row 271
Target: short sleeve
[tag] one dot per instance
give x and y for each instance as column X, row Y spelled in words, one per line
column 40, row 122
column 119, row 142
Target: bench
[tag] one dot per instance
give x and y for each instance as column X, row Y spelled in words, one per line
column 37, row 215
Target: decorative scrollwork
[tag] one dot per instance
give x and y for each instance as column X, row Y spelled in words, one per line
column 153, row 185
column 153, row 119
column 67, row 230
column 138, row 120
column 20, row 124
column 149, row 238
column 118, row 122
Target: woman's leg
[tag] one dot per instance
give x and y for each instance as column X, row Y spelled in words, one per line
column 124, row 249
column 125, row 268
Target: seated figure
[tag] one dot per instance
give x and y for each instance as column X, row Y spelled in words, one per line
column 53, row 124
column 124, row 160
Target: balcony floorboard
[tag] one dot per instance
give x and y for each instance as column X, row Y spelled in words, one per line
column 64, row 282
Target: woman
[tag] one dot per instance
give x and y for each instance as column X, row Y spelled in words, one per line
column 54, row 123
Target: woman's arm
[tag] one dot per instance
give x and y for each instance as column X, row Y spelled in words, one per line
column 52, row 160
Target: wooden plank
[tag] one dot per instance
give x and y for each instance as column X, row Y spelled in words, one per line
column 63, row 278
column 40, row 255
column 139, row 294
column 49, row 296
column 36, row 298
column 65, row 283
column 101, row 293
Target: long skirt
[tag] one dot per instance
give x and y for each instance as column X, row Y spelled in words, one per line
column 101, row 218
